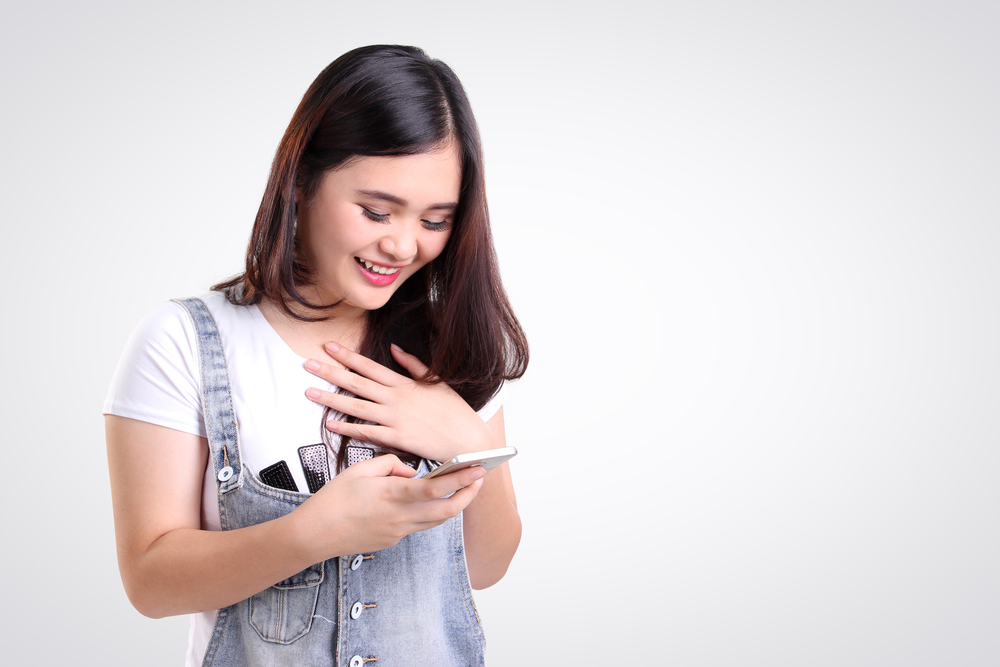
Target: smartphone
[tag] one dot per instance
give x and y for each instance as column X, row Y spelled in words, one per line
column 488, row 460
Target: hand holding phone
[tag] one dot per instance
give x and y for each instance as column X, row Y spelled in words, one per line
column 488, row 460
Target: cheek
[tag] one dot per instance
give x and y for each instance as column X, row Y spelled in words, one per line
column 437, row 244
column 343, row 236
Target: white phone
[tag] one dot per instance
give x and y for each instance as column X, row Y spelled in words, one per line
column 488, row 460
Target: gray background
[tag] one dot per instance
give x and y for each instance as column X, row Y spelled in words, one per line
column 754, row 246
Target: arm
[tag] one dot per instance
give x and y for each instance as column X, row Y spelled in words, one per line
column 492, row 524
column 170, row 566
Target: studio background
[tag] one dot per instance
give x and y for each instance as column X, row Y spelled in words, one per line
column 754, row 246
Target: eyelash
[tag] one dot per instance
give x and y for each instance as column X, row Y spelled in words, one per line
column 383, row 218
column 376, row 217
column 442, row 226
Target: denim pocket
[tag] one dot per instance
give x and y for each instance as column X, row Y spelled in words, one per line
column 284, row 612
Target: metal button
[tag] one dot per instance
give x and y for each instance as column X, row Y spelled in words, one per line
column 356, row 563
column 356, row 609
column 356, row 661
column 225, row 474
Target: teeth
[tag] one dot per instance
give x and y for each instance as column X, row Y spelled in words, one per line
column 375, row 268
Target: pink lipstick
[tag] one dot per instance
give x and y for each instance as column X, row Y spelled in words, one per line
column 374, row 277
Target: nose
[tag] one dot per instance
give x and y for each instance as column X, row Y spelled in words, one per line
column 400, row 242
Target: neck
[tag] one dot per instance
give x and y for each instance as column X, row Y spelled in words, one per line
column 307, row 339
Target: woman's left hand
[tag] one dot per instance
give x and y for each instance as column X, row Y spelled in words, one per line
column 429, row 420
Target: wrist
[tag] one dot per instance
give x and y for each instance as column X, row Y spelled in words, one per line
column 302, row 544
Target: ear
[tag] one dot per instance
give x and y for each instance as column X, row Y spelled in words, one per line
column 299, row 190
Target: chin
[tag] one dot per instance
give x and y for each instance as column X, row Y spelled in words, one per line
column 373, row 302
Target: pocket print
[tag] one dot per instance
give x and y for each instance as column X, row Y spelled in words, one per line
column 284, row 612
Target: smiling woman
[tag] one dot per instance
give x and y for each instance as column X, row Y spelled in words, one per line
column 376, row 222
column 371, row 310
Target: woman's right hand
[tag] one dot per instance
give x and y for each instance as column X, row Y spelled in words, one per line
column 374, row 504
column 169, row 565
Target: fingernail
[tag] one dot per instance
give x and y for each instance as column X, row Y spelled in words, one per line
column 396, row 347
column 478, row 473
column 313, row 393
column 333, row 424
column 312, row 365
column 333, row 347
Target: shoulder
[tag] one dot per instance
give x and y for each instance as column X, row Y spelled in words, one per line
column 488, row 411
column 165, row 329
column 170, row 330
column 232, row 320
column 172, row 320
column 157, row 379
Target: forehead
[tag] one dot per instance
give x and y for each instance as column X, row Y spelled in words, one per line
column 421, row 180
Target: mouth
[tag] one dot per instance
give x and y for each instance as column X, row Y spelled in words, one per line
column 377, row 268
column 377, row 274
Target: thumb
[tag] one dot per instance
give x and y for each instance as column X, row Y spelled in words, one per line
column 387, row 465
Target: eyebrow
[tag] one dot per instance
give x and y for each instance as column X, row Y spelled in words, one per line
column 385, row 196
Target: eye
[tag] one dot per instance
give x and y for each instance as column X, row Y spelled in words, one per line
column 377, row 217
column 437, row 225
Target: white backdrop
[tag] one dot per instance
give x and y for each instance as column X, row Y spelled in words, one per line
column 754, row 246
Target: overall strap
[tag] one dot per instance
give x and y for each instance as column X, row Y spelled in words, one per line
column 220, row 418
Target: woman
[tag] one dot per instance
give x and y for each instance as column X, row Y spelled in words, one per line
column 247, row 438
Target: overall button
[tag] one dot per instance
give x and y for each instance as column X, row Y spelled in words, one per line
column 356, row 563
column 356, row 610
column 356, row 661
column 225, row 474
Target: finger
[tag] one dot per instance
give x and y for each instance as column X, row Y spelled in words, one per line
column 345, row 379
column 364, row 365
column 387, row 465
column 376, row 435
column 348, row 405
column 429, row 513
column 411, row 363
column 462, row 498
column 445, row 485
column 442, row 509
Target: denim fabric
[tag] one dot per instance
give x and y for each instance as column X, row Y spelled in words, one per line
column 410, row 604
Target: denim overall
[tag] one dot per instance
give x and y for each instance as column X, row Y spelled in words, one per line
column 410, row 604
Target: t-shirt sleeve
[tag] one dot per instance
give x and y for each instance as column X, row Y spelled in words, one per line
column 490, row 409
column 158, row 376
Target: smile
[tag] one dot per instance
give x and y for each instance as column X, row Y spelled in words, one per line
column 375, row 268
column 377, row 274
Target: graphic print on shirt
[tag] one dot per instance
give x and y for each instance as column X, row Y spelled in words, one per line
column 279, row 476
column 357, row 454
column 316, row 466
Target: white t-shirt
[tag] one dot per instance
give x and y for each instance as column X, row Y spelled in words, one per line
column 158, row 380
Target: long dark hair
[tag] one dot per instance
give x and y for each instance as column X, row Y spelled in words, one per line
column 453, row 313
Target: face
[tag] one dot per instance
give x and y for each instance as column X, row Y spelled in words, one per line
column 373, row 223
